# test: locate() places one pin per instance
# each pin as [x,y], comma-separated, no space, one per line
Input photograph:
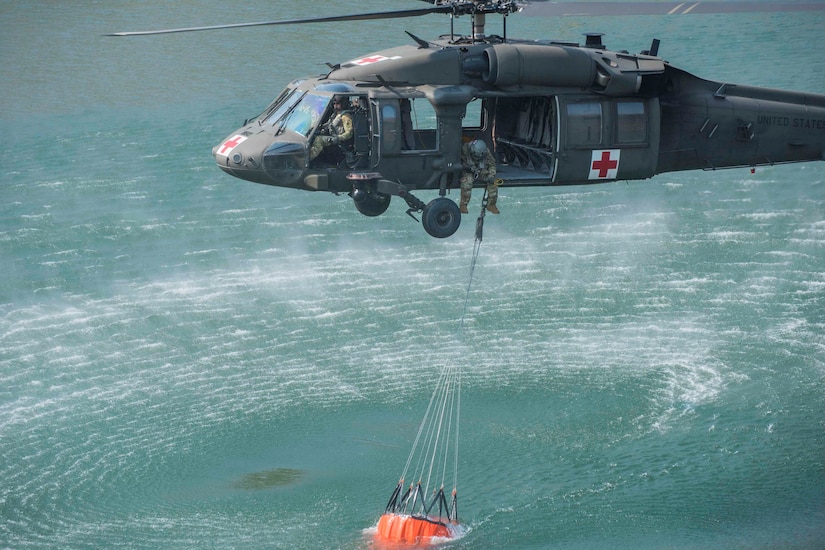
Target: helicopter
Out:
[552,112]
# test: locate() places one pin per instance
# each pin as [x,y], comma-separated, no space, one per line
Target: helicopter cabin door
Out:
[525,138]
[603,139]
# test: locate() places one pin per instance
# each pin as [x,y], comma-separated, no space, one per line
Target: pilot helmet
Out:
[478,148]
[342,100]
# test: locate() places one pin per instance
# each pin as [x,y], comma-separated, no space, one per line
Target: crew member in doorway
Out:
[338,131]
[478,164]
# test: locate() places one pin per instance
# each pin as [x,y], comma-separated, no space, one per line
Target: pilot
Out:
[477,163]
[337,131]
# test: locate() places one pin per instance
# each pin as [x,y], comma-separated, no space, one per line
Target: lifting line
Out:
[409,516]
[476,249]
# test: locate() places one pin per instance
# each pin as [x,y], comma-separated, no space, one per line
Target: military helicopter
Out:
[554,113]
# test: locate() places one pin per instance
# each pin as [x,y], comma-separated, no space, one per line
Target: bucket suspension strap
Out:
[392,505]
[445,510]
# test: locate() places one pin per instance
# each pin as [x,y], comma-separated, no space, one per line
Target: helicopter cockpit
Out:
[274,146]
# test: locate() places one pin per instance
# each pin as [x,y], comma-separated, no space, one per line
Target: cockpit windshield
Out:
[281,106]
[305,115]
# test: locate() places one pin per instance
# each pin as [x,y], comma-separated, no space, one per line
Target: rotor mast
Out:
[478,10]
[479,19]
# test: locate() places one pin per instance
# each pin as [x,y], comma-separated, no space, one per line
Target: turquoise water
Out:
[192,361]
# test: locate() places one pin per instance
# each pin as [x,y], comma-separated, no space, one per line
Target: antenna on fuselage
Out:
[422,44]
[452,27]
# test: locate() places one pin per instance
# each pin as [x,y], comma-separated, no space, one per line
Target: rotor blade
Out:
[562,9]
[332,18]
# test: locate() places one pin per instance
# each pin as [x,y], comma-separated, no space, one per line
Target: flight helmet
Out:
[478,148]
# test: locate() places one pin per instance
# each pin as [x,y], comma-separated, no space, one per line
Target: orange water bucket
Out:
[401,528]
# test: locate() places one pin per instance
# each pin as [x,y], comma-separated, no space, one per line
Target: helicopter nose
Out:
[232,153]
[240,155]
[284,162]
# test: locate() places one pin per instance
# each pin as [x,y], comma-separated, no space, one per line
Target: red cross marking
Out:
[373,59]
[605,164]
[230,144]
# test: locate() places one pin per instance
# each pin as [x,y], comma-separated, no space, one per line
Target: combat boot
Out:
[463,208]
[492,208]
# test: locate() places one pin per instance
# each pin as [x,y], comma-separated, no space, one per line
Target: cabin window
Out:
[473,116]
[420,125]
[631,124]
[584,124]
[389,123]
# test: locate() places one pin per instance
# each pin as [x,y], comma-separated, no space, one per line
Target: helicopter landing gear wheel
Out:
[441,218]
[370,203]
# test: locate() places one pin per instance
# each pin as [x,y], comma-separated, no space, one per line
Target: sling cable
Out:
[421,513]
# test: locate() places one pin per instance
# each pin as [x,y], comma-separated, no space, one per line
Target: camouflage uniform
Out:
[340,131]
[481,168]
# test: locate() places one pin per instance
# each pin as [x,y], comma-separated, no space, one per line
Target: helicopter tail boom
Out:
[709,125]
